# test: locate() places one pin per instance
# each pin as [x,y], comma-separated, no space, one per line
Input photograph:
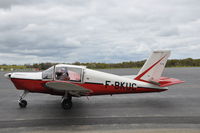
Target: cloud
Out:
[97,31]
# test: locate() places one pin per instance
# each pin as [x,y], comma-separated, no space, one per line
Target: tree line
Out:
[188,62]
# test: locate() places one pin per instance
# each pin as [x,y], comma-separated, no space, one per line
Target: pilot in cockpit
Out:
[62,74]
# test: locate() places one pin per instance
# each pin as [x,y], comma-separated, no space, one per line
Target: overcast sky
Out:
[33,31]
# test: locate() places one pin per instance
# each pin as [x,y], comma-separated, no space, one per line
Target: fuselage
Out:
[99,83]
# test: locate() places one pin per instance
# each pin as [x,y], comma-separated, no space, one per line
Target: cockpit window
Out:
[68,73]
[61,73]
[48,74]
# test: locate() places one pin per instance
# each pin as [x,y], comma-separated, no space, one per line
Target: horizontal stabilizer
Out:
[165,81]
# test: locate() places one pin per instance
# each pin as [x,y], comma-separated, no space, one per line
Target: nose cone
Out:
[8,75]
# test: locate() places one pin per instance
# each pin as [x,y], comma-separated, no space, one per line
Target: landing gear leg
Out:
[66,102]
[22,102]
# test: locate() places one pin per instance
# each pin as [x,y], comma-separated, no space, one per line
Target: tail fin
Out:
[153,67]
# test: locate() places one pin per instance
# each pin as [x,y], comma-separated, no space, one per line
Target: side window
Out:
[68,73]
[48,74]
[75,74]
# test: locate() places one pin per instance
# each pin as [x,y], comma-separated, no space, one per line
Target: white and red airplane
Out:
[74,81]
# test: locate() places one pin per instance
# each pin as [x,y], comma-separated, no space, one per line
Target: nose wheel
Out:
[66,102]
[22,102]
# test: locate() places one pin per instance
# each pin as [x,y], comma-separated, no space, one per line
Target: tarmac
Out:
[176,110]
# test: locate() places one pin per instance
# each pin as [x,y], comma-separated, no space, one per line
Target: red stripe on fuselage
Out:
[97,89]
[30,85]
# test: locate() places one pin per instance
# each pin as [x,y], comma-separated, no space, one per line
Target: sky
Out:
[111,31]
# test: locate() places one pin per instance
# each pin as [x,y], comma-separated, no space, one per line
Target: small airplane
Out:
[75,81]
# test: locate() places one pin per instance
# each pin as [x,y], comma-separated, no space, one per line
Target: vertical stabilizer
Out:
[154,66]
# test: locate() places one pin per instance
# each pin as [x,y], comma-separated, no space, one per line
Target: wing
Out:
[73,89]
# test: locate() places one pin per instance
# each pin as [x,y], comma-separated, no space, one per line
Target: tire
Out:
[22,103]
[66,104]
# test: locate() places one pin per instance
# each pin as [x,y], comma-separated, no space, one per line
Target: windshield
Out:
[48,74]
[68,73]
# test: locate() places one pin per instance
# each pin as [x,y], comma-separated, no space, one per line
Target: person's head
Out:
[63,70]
[59,72]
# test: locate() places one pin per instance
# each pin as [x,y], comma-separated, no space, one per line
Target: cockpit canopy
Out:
[64,72]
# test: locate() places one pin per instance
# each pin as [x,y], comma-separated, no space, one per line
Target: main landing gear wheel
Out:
[66,102]
[22,102]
